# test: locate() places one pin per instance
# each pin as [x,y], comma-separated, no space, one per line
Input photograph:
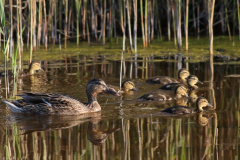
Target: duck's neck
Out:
[199,108]
[177,96]
[31,71]
[92,97]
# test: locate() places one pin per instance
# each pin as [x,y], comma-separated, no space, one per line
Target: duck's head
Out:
[202,102]
[192,80]
[97,85]
[183,74]
[128,85]
[34,66]
[181,91]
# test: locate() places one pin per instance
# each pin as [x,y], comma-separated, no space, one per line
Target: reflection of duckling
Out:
[34,66]
[53,103]
[162,96]
[192,80]
[200,103]
[182,75]
[127,85]
[202,121]
[98,137]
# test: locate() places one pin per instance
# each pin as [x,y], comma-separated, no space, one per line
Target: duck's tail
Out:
[12,106]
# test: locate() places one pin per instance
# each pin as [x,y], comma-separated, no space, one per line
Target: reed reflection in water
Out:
[137,133]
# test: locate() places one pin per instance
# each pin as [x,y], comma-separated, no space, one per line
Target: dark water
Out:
[125,129]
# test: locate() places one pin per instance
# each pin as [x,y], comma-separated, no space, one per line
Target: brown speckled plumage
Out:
[53,103]
[162,96]
[191,82]
[200,103]
[182,75]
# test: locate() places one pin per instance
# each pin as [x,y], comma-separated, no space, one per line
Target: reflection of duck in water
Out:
[98,137]
[192,80]
[200,103]
[202,121]
[182,75]
[127,85]
[33,66]
[53,103]
[34,123]
[162,96]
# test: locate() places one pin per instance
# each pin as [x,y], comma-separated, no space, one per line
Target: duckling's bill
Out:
[200,82]
[112,92]
[209,105]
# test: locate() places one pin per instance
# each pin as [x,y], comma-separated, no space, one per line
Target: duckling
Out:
[54,103]
[127,85]
[192,80]
[182,75]
[162,96]
[200,103]
[33,66]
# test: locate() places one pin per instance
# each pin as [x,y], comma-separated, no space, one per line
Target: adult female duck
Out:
[53,103]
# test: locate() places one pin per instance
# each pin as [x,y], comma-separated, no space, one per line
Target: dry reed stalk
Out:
[69,21]
[84,18]
[122,23]
[34,24]
[135,24]
[146,22]
[20,23]
[169,19]
[78,6]
[129,26]
[174,20]
[45,31]
[143,32]
[11,26]
[104,21]
[65,26]
[186,32]
[178,25]
[18,28]
[211,5]
[238,17]
[31,28]
[234,18]
[39,24]
[152,18]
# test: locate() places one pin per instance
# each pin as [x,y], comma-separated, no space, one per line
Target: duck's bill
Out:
[186,95]
[41,69]
[134,89]
[112,92]
[209,105]
[200,82]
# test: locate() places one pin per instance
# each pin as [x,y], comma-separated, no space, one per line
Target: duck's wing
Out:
[179,110]
[46,103]
[162,80]
[156,96]
[170,86]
